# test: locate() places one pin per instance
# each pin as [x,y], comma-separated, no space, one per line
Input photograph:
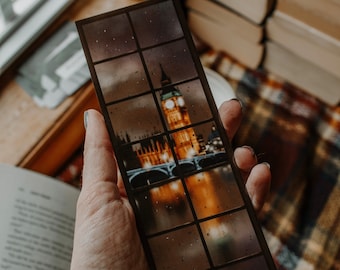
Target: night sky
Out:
[113,37]
[127,58]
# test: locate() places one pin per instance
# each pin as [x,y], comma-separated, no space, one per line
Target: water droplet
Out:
[97,40]
[113,39]
[145,197]
[150,21]
[132,37]
[125,41]
[104,30]
[167,238]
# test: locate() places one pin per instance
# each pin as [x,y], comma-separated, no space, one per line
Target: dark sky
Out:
[113,36]
[109,37]
[121,72]
[130,65]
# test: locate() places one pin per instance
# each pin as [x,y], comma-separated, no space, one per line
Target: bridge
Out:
[141,177]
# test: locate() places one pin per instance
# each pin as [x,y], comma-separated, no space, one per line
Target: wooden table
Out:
[38,138]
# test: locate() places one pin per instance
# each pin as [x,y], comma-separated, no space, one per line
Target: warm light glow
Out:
[191,153]
[147,165]
[180,101]
[219,231]
[165,157]
[174,186]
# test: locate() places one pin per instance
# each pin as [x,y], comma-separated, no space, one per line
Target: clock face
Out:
[180,101]
[169,104]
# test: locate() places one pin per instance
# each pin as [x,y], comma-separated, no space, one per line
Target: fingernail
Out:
[267,164]
[85,118]
[250,149]
[239,101]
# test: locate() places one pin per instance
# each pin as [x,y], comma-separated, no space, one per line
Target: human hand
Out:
[256,176]
[105,233]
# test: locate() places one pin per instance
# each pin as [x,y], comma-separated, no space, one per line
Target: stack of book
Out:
[235,27]
[303,46]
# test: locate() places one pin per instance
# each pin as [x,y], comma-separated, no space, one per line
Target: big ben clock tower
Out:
[177,116]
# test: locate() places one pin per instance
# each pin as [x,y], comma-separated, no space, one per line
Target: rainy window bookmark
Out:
[191,207]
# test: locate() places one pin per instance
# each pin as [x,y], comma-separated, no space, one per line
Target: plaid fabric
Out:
[300,137]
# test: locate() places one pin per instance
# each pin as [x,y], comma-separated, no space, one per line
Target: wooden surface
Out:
[38,138]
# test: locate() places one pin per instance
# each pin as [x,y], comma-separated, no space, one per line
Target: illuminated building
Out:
[186,143]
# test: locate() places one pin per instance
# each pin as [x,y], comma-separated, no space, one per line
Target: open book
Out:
[37,220]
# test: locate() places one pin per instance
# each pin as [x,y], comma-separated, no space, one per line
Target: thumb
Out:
[99,162]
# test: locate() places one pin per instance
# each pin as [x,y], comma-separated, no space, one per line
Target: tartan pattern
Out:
[300,137]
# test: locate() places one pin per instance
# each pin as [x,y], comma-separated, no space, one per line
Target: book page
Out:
[37,220]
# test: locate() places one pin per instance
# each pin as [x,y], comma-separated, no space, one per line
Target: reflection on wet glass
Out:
[109,37]
[257,263]
[148,159]
[183,104]
[156,24]
[122,77]
[164,207]
[135,119]
[180,249]
[230,237]
[214,191]
[176,60]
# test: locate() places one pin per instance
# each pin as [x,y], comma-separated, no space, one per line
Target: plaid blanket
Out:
[300,137]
